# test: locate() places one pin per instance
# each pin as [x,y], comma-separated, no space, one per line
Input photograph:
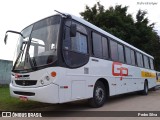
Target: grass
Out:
[8,103]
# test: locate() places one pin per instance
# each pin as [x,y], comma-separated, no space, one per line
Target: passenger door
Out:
[76,56]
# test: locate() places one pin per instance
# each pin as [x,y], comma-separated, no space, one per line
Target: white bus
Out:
[64,58]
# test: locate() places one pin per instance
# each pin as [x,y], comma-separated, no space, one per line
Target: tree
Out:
[118,22]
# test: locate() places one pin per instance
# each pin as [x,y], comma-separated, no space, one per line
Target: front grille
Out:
[24,93]
[26,82]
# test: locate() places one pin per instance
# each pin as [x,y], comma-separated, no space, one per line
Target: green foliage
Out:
[118,22]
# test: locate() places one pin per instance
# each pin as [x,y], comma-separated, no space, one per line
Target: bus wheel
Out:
[99,95]
[145,90]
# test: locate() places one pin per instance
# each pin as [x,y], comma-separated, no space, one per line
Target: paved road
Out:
[129,102]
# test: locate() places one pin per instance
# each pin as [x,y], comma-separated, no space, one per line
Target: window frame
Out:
[71,61]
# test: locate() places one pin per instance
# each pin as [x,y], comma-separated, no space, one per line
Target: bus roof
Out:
[107,34]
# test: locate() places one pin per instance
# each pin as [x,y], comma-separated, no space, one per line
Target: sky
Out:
[17,14]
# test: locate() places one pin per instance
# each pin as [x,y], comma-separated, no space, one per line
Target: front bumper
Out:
[46,94]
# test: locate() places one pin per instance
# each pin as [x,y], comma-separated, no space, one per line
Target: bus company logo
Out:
[19,77]
[119,70]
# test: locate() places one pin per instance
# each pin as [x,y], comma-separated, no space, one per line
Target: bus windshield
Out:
[39,47]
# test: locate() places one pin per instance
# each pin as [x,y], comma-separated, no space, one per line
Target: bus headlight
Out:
[47,78]
[42,82]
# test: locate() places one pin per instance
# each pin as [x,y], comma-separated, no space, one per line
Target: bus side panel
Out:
[102,69]
[150,76]
[74,84]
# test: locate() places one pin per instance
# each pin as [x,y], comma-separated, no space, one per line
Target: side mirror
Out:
[6,35]
[5,39]
[73,29]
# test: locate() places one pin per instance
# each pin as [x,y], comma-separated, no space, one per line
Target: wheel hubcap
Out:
[99,94]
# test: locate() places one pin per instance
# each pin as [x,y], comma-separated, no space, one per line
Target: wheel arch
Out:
[146,80]
[106,85]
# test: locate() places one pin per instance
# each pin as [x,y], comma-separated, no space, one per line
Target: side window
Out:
[79,43]
[121,53]
[133,57]
[80,28]
[128,55]
[139,59]
[105,48]
[114,50]
[97,45]
[151,63]
[146,62]
[75,49]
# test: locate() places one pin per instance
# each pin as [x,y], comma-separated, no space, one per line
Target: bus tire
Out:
[99,95]
[145,90]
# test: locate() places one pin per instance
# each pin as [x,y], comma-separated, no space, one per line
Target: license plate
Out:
[23,98]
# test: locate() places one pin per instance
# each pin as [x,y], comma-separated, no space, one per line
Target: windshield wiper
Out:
[22,51]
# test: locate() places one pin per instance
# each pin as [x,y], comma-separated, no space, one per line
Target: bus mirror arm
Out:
[5,39]
[6,35]
[73,29]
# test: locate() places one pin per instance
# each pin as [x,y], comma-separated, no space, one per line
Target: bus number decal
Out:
[118,70]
